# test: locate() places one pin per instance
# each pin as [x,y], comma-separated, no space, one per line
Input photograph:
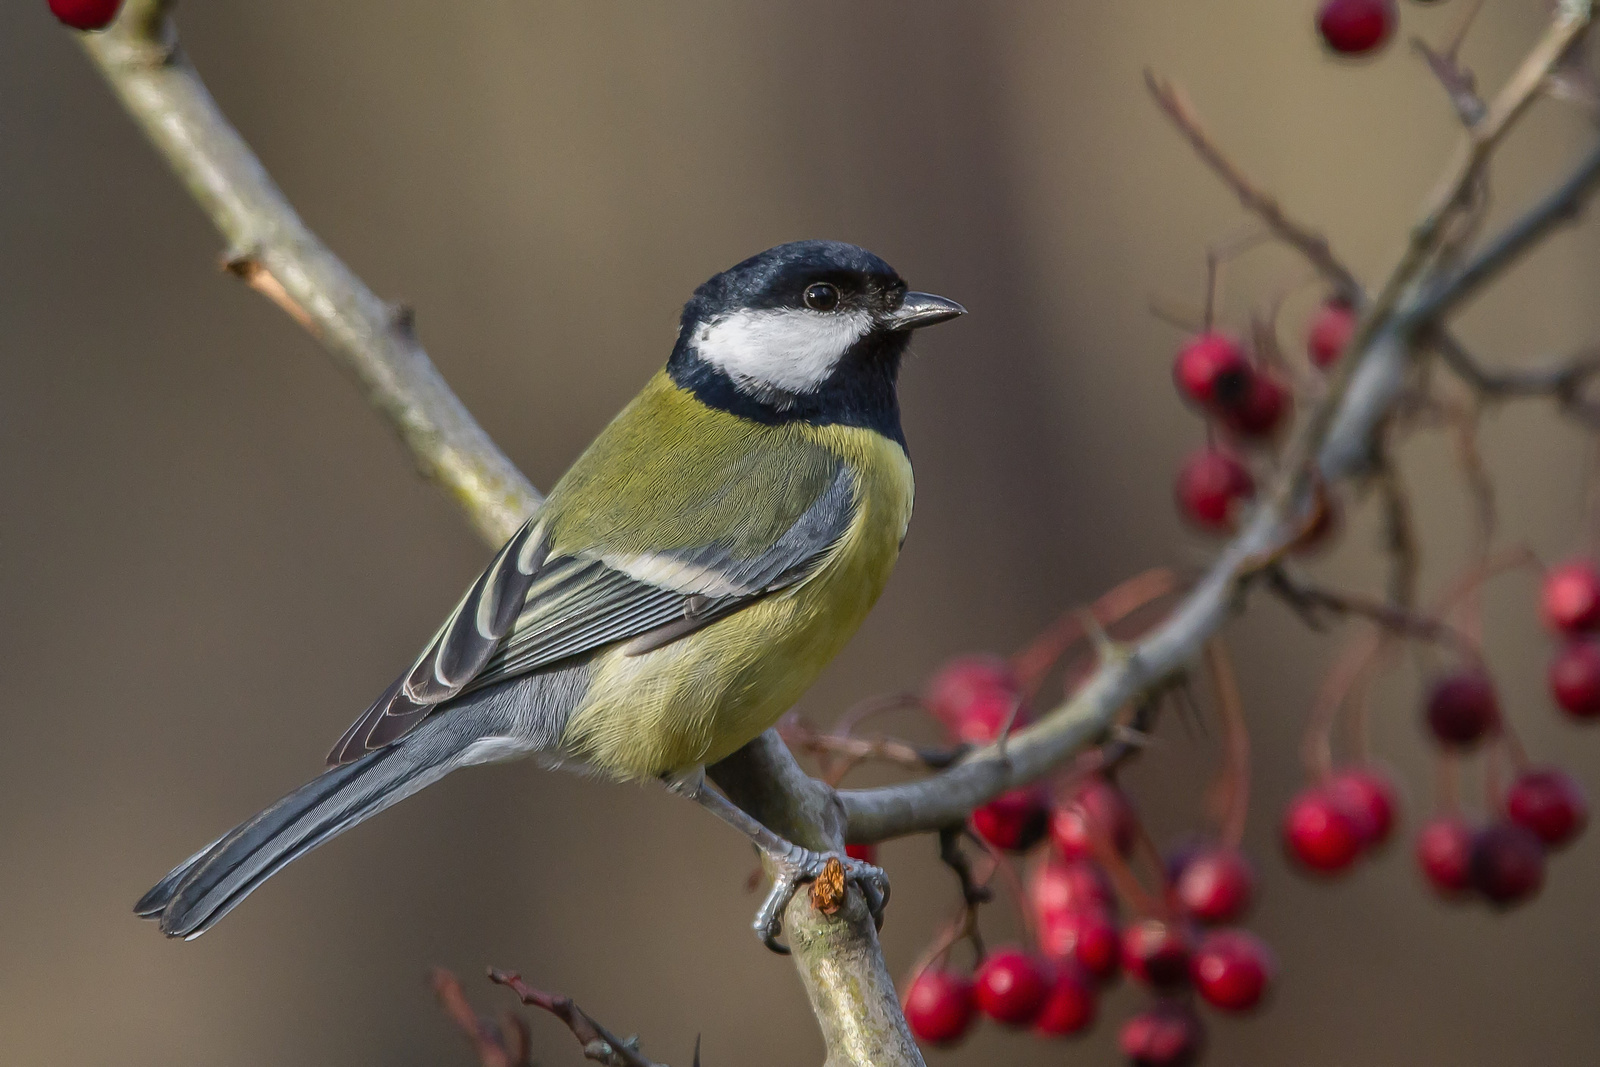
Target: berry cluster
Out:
[1084,836]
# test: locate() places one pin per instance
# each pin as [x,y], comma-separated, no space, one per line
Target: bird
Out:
[683,584]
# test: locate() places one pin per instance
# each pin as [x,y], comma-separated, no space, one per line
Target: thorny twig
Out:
[502,1043]
[1459,84]
[599,1044]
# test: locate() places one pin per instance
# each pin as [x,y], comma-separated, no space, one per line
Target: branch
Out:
[272,251]
[599,1044]
[490,1040]
[1561,380]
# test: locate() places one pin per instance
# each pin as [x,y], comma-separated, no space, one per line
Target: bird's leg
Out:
[792,865]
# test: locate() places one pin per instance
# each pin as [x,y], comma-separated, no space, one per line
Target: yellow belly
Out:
[704,696]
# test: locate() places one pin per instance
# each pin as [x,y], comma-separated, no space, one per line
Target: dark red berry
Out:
[939,1006]
[1011,987]
[1216,885]
[864,853]
[1575,678]
[1231,969]
[1094,811]
[1068,1004]
[85,14]
[1014,821]
[1356,27]
[1331,329]
[1156,952]
[1321,832]
[1212,371]
[1168,1034]
[1371,795]
[1444,852]
[1263,409]
[1462,708]
[1507,864]
[1570,598]
[1550,803]
[1056,886]
[1085,936]
[1211,485]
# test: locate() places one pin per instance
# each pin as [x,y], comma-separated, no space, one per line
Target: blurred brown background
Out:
[213,555]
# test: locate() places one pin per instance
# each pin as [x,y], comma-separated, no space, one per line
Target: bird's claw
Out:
[795,869]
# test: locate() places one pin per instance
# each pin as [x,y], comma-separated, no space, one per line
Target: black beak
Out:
[922,309]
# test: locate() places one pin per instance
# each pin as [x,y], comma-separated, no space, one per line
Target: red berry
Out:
[1058,886]
[1550,803]
[1444,852]
[1261,412]
[1166,1035]
[1212,371]
[1462,708]
[939,1006]
[1507,864]
[1331,329]
[1156,952]
[864,853]
[1356,27]
[1321,832]
[1012,986]
[1575,679]
[1232,969]
[1014,821]
[966,681]
[1216,884]
[1095,811]
[1570,598]
[1068,1004]
[1370,794]
[1085,936]
[1211,484]
[85,14]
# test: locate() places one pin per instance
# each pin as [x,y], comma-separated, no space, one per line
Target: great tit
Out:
[682,585]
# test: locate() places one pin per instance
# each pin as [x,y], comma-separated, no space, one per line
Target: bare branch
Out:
[273,251]
[599,1044]
[496,1044]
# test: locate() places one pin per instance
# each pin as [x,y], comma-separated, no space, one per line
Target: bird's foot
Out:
[795,867]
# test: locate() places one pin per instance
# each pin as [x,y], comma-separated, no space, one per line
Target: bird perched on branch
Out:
[684,583]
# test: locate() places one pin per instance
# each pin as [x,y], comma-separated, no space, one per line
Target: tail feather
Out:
[211,883]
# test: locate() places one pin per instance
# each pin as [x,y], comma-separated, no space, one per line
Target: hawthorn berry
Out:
[973,697]
[1369,793]
[1057,886]
[1507,864]
[1569,600]
[1011,987]
[864,853]
[1261,412]
[1231,969]
[1086,936]
[1575,679]
[1211,484]
[1014,821]
[1094,811]
[1550,803]
[1462,708]
[939,1006]
[1322,833]
[1215,885]
[1444,852]
[1069,1003]
[1357,27]
[85,14]
[1157,952]
[1168,1034]
[1212,371]
[1331,329]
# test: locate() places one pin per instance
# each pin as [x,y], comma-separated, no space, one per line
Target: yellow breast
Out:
[700,698]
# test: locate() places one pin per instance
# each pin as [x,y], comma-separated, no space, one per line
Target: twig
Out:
[1399,534]
[273,251]
[1458,82]
[798,733]
[506,1043]
[599,1044]
[1235,777]
[1562,379]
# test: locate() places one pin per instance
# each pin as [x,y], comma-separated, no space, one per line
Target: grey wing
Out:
[574,604]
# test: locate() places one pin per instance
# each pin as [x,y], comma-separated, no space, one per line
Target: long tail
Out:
[213,881]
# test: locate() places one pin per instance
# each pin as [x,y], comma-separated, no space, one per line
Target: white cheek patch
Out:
[779,350]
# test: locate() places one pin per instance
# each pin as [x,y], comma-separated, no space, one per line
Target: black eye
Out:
[822,297]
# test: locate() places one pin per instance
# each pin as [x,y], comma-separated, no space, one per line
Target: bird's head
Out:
[811,330]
